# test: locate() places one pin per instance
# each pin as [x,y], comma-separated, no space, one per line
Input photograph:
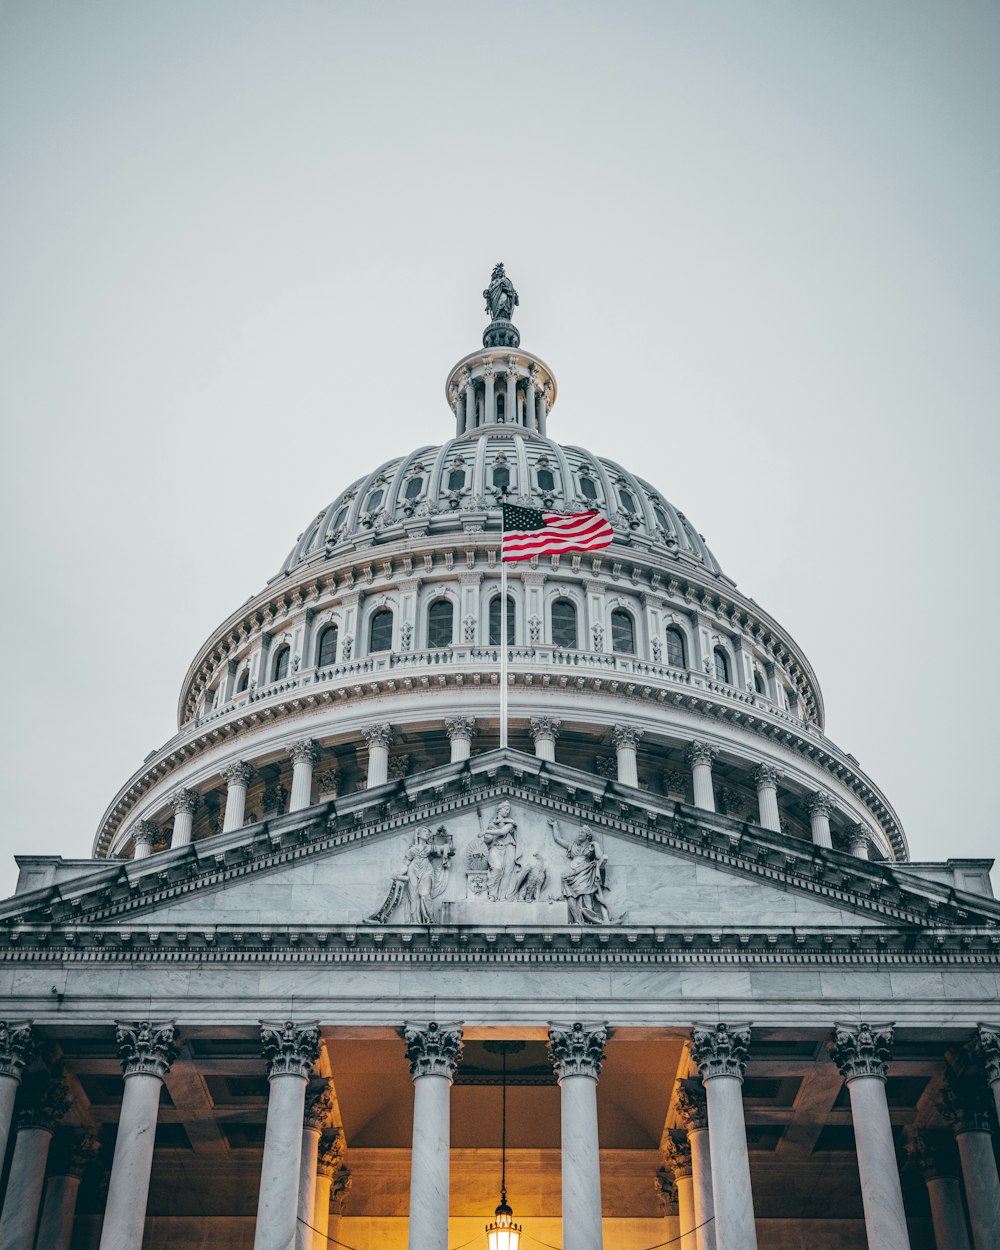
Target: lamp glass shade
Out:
[503,1233]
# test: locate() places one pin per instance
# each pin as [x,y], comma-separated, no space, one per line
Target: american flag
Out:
[528,532]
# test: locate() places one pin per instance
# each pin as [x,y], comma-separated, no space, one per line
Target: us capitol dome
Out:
[373,653]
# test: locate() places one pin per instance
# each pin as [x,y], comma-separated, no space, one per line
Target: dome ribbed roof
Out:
[459,486]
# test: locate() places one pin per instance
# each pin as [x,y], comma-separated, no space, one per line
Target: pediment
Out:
[441,851]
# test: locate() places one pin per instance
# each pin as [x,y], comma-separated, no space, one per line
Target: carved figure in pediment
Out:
[584,880]
[503,865]
[531,880]
[421,880]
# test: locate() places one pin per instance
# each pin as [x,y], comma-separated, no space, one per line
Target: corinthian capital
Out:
[934,1154]
[145,833]
[666,1190]
[184,801]
[461,728]
[319,1106]
[859,839]
[820,804]
[146,1049]
[304,751]
[289,1049]
[577,1049]
[862,1050]
[46,1101]
[988,1044]
[330,1153]
[17,1048]
[238,774]
[766,775]
[377,735]
[626,736]
[701,753]
[677,1154]
[965,1104]
[544,728]
[433,1049]
[720,1049]
[692,1104]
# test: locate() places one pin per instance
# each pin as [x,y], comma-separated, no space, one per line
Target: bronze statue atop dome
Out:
[501,298]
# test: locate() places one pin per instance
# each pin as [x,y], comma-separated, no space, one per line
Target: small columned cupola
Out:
[500,385]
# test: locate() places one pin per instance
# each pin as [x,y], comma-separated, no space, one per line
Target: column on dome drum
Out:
[699,757]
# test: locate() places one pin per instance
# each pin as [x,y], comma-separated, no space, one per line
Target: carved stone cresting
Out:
[677,1154]
[290,1049]
[330,1152]
[720,1049]
[379,735]
[988,1045]
[304,751]
[433,1049]
[318,1106]
[544,728]
[626,736]
[692,1103]
[965,1104]
[45,1102]
[765,775]
[184,801]
[577,1049]
[820,804]
[461,728]
[17,1048]
[862,1050]
[422,878]
[238,774]
[584,879]
[145,1048]
[701,753]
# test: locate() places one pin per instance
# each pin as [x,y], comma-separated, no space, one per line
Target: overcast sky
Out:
[242,245]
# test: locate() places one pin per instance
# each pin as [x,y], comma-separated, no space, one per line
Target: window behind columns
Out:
[564,623]
[721,665]
[676,656]
[758,682]
[243,682]
[327,653]
[279,665]
[495,621]
[622,631]
[380,631]
[440,623]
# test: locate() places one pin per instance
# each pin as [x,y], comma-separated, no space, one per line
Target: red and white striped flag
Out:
[528,532]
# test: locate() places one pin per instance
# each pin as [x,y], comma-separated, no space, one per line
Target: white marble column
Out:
[988,1043]
[766,778]
[461,730]
[329,1156]
[529,399]
[692,1106]
[45,1103]
[304,754]
[699,757]
[238,776]
[184,802]
[489,398]
[290,1050]
[677,1154]
[55,1228]
[470,402]
[965,1106]
[544,731]
[626,738]
[577,1053]
[146,1051]
[544,400]
[379,740]
[720,1051]
[862,1054]
[144,836]
[17,1049]
[859,839]
[820,806]
[434,1050]
[940,1169]
[511,401]
[315,1118]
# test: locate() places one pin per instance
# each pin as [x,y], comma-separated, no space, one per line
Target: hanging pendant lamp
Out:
[502,1233]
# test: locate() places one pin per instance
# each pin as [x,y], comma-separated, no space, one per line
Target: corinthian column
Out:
[544,731]
[46,1103]
[17,1049]
[699,757]
[862,1054]
[144,836]
[238,776]
[304,754]
[329,1156]
[510,404]
[720,1051]
[319,1104]
[66,1169]
[677,1154]
[965,1105]
[626,738]
[577,1053]
[820,806]
[939,1167]
[766,778]
[290,1050]
[184,803]
[434,1051]
[146,1050]
[692,1107]
[988,1042]
[859,838]
[379,739]
[461,730]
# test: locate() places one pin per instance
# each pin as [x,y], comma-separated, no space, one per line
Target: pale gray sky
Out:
[241,244]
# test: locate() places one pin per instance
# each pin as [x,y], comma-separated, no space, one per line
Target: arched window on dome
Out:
[243,682]
[546,480]
[441,623]
[564,623]
[721,666]
[627,502]
[588,487]
[758,682]
[413,488]
[279,665]
[456,479]
[501,477]
[338,520]
[495,621]
[676,652]
[326,652]
[374,500]
[662,520]
[380,631]
[622,632]
[501,404]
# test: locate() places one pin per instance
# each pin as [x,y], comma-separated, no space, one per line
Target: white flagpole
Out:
[503,653]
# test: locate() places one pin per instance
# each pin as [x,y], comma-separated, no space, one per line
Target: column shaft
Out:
[767,800]
[686,1213]
[183,821]
[8,1093]
[511,404]
[378,765]
[543,414]
[733,1199]
[881,1194]
[704,791]
[302,775]
[581,1167]
[236,806]
[819,823]
[982,1188]
[704,1205]
[24,1189]
[56,1225]
[307,1188]
[125,1211]
[278,1201]
[430,1163]
[470,407]
[628,766]
[489,401]
[321,1211]
[947,1214]
[529,405]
